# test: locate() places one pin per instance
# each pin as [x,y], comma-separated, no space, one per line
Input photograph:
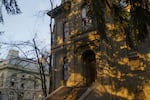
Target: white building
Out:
[19,78]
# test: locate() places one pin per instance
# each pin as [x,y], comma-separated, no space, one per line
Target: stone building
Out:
[19,78]
[109,70]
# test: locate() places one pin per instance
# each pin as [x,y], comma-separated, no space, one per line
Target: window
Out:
[53,35]
[23,76]
[22,86]
[12,82]
[65,68]
[1,79]
[86,20]
[84,11]
[2,76]
[36,84]
[66,31]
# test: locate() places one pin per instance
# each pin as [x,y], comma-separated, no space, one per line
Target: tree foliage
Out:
[11,8]
[131,15]
[97,10]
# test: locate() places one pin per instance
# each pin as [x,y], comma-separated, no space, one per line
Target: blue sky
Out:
[23,27]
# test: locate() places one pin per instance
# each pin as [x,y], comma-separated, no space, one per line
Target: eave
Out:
[54,12]
[59,9]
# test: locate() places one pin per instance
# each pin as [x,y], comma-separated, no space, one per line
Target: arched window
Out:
[86,20]
[12,81]
[84,11]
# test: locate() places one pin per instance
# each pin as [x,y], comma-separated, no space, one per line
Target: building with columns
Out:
[20,78]
[109,70]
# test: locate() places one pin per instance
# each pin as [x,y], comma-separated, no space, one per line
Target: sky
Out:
[31,21]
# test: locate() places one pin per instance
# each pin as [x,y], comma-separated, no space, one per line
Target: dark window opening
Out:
[22,85]
[12,84]
[86,20]
[65,70]
[23,76]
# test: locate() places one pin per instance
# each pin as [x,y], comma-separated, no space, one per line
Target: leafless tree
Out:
[36,54]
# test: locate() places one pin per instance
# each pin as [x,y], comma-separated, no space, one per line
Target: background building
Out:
[19,78]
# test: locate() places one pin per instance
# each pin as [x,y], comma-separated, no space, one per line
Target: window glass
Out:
[22,85]
[65,70]
[12,83]
[86,20]
[66,30]
[84,11]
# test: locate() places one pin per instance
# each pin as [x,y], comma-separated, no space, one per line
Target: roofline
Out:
[58,10]
[54,12]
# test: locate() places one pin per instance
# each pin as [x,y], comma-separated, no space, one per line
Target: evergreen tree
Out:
[131,15]
[10,6]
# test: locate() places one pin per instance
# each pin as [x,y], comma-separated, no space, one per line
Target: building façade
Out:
[81,59]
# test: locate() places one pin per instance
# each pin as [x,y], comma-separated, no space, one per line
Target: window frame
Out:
[86,20]
[66,31]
